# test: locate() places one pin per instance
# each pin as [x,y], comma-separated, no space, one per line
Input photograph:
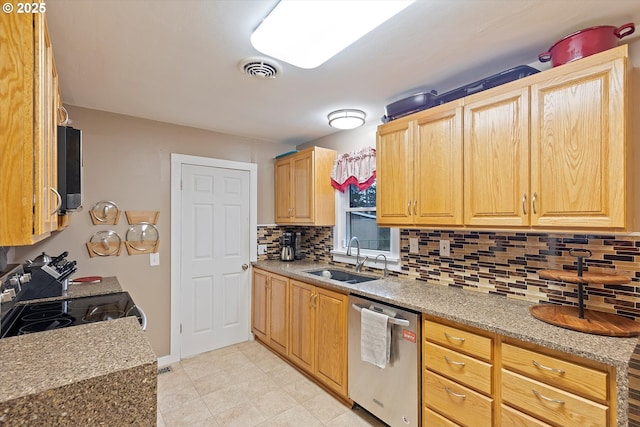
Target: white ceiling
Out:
[177,61]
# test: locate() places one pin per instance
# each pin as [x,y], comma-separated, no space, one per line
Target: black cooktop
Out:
[44,316]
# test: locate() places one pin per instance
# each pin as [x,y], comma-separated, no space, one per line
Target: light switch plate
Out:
[445,248]
[154,259]
[413,245]
[262,249]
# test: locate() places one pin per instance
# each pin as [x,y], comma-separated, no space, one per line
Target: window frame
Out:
[339,251]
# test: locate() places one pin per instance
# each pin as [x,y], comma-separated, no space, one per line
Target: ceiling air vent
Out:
[260,68]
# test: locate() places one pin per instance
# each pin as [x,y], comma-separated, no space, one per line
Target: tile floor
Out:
[247,385]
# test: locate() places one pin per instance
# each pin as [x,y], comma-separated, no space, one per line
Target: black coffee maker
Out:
[288,241]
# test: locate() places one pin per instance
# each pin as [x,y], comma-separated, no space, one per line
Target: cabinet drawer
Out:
[551,404]
[458,339]
[560,373]
[433,419]
[464,405]
[463,369]
[512,418]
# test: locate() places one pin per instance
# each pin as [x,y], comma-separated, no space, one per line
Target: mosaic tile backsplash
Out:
[502,263]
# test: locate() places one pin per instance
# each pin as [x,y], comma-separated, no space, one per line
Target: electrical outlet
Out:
[262,249]
[154,259]
[445,248]
[413,245]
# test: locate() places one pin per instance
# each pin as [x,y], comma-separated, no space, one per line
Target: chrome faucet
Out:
[385,272]
[358,263]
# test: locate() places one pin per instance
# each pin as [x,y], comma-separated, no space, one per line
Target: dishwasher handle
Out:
[392,320]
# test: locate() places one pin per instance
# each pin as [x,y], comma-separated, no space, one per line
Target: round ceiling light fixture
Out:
[346,119]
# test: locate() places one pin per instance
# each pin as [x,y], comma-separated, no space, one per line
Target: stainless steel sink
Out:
[342,276]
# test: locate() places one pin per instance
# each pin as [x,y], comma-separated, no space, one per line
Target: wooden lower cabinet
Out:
[306,324]
[318,340]
[556,388]
[269,309]
[513,418]
[458,375]
[474,378]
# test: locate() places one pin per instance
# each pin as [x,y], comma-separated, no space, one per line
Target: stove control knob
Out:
[25,278]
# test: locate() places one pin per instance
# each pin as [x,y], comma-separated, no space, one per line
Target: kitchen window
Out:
[356,216]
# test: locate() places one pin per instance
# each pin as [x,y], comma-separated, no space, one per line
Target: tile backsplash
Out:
[501,263]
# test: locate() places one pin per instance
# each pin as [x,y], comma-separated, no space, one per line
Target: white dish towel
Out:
[375,338]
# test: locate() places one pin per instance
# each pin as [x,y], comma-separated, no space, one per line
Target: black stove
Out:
[44,316]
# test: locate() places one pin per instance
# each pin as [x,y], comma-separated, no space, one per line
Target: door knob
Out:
[245,267]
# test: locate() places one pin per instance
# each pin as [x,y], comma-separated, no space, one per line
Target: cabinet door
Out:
[279,313]
[283,190]
[578,148]
[394,172]
[331,339]
[303,190]
[496,160]
[438,167]
[302,325]
[259,304]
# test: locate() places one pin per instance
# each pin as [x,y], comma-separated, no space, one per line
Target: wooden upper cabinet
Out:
[546,151]
[496,160]
[303,191]
[419,169]
[394,173]
[28,132]
[578,147]
[283,192]
[438,167]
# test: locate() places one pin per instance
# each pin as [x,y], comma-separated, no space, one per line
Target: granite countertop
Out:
[33,363]
[506,316]
[47,360]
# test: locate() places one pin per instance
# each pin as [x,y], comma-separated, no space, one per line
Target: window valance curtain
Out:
[357,168]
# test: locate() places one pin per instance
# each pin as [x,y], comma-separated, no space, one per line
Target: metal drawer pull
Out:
[453,338]
[461,396]
[409,207]
[548,399]
[453,362]
[546,368]
[392,320]
[533,203]
[524,203]
[415,207]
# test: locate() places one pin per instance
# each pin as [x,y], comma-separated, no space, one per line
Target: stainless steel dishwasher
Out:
[391,393]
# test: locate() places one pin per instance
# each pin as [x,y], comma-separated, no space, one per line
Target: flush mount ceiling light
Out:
[346,119]
[307,33]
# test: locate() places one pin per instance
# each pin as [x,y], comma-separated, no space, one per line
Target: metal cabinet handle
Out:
[59,200]
[415,207]
[524,203]
[409,207]
[548,399]
[453,362]
[461,396]
[546,368]
[533,203]
[449,337]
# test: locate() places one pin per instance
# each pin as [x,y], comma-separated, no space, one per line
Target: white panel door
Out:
[215,247]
